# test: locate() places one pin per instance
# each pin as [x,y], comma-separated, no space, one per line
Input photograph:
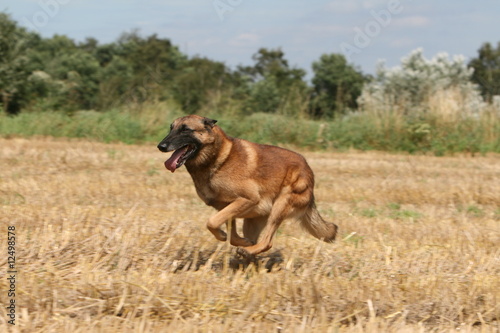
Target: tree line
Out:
[58,73]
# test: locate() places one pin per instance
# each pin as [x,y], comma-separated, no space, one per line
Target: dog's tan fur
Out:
[262,184]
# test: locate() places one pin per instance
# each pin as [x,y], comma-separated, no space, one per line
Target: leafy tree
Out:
[154,61]
[487,70]
[49,49]
[272,63]
[271,81]
[90,45]
[201,81]
[265,96]
[15,43]
[336,85]
[80,71]
[73,72]
[158,54]
[115,82]
[105,53]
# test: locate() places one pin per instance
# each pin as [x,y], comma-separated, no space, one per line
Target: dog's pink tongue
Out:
[171,163]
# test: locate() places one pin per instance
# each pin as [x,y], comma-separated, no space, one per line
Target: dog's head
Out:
[187,137]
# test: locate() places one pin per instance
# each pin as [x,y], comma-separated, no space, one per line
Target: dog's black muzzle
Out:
[163,147]
[170,143]
[175,141]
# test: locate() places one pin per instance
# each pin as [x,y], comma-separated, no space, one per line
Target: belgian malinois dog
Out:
[261,184]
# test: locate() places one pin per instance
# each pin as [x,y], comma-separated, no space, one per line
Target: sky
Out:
[231,31]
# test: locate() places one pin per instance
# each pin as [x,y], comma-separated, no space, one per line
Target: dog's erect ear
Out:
[209,122]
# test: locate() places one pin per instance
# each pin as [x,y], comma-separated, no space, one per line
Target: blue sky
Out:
[232,30]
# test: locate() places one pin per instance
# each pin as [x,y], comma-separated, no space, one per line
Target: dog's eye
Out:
[184,128]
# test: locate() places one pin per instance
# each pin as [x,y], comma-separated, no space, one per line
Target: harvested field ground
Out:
[110,241]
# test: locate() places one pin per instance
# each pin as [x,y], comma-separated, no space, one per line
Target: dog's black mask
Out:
[183,141]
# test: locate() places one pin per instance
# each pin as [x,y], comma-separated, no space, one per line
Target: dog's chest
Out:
[213,192]
[205,192]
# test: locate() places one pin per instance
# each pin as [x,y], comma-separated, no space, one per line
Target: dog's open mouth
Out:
[179,157]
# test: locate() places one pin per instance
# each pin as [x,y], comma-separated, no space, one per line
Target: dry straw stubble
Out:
[108,241]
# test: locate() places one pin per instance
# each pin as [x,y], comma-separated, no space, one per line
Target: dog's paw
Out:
[246,242]
[239,241]
[244,253]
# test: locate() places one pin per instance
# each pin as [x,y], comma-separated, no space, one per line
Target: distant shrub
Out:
[440,86]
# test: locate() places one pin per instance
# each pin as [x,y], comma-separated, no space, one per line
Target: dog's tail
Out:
[317,226]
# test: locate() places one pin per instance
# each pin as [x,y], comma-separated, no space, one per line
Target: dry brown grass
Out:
[109,241]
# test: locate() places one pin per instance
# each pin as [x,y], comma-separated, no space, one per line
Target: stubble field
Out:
[110,241]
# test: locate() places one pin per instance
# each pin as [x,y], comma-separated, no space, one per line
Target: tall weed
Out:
[368,130]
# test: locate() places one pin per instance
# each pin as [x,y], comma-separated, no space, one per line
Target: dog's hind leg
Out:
[252,228]
[281,209]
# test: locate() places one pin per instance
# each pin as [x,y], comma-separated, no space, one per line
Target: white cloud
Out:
[328,29]
[341,6]
[351,6]
[245,39]
[412,21]
[370,4]
[402,42]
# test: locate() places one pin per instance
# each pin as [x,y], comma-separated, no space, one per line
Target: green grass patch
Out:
[402,214]
[361,131]
[474,211]
[369,212]
[405,214]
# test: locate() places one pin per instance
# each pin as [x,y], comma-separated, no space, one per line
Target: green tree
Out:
[106,53]
[272,63]
[80,71]
[151,66]
[487,70]
[116,82]
[271,82]
[150,53]
[200,82]
[15,43]
[336,85]
[90,45]
[73,72]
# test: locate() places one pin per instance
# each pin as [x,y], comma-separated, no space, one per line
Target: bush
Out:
[427,105]
[439,86]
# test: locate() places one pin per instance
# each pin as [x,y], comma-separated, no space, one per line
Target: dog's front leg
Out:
[237,208]
[237,240]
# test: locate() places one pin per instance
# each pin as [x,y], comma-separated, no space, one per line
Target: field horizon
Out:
[110,241]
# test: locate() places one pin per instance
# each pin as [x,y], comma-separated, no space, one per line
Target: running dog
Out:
[261,184]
